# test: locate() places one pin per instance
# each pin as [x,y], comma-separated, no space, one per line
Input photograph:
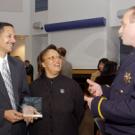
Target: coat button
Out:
[121,91]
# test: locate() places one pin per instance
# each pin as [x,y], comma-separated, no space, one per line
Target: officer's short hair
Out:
[132,16]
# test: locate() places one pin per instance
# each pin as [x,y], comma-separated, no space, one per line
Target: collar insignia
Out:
[127,77]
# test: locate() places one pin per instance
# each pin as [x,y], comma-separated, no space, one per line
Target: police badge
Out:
[127,77]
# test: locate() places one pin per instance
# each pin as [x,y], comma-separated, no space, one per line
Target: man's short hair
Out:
[132,15]
[4,24]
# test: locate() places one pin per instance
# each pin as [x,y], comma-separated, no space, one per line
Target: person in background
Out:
[19,58]
[62,105]
[13,84]
[66,66]
[29,71]
[105,78]
[115,104]
[108,74]
[100,68]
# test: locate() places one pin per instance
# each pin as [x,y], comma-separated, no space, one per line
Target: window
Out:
[41,5]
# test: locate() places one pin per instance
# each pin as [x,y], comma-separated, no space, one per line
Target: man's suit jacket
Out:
[20,88]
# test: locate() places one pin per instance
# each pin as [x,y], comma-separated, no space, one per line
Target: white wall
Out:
[113,44]
[11,5]
[21,20]
[87,46]
[84,46]
[67,10]
[115,6]
[39,42]
[19,48]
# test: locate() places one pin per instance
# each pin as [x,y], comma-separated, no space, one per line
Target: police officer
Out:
[116,104]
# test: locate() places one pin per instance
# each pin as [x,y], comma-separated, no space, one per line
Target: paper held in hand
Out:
[31,107]
[30,111]
[33,115]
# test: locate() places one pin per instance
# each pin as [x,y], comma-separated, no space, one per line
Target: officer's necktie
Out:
[8,83]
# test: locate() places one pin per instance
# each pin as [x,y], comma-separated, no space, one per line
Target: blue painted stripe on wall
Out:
[93,22]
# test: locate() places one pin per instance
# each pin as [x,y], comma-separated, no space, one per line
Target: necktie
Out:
[8,83]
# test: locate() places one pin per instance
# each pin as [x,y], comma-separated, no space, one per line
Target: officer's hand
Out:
[94,88]
[13,116]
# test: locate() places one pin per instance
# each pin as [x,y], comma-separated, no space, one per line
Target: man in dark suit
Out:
[116,104]
[29,71]
[12,87]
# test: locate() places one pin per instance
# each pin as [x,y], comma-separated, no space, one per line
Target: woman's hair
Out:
[110,68]
[40,59]
[103,60]
[62,51]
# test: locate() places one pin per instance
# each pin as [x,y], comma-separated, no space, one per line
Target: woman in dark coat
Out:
[62,105]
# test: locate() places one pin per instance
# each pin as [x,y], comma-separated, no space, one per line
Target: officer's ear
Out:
[43,65]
